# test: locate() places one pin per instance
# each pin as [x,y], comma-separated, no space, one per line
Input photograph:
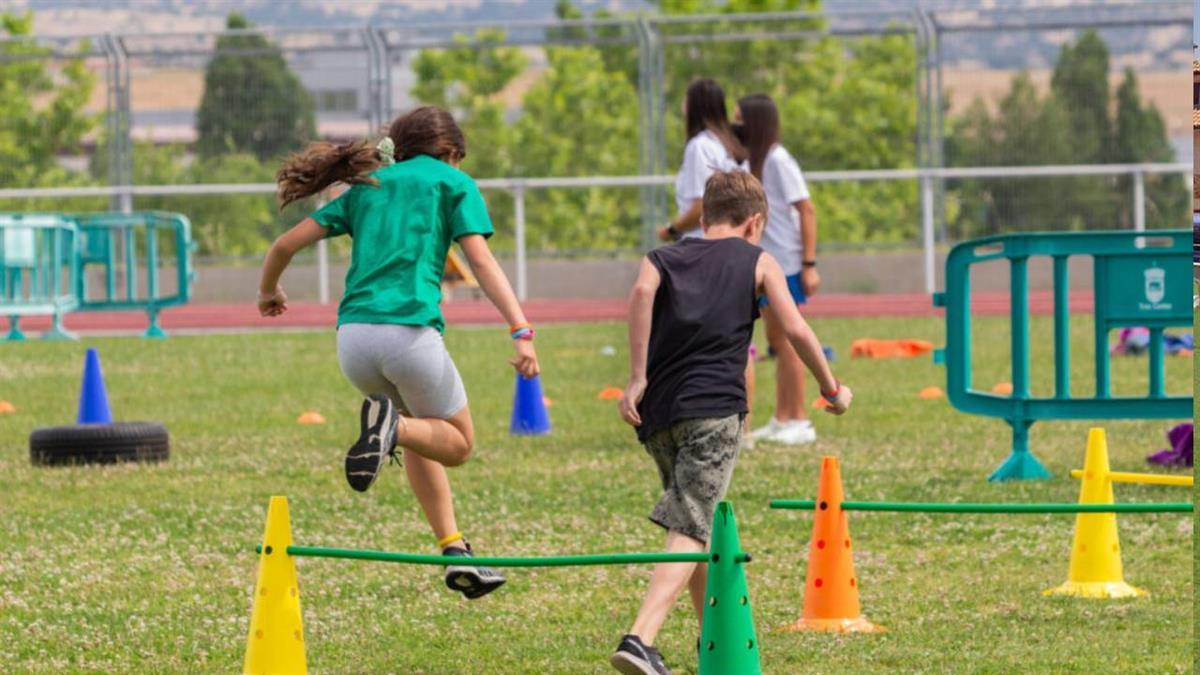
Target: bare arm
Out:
[497,289]
[688,220]
[272,301]
[809,277]
[641,314]
[771,280]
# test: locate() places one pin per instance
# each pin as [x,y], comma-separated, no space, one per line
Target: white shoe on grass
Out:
[765,431]
[794,432]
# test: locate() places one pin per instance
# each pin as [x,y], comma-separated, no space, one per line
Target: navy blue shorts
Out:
[795,287]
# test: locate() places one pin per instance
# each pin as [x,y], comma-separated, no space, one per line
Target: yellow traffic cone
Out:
[1095,570]
[276,640]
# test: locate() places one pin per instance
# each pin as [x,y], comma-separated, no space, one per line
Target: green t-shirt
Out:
[402,230]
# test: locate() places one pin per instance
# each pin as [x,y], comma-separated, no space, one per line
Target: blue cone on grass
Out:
[529,417]
[93,399]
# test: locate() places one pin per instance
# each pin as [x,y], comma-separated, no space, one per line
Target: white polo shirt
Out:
[784,185]
[703,156]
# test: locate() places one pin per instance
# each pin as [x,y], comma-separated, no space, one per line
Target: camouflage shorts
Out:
[695,460]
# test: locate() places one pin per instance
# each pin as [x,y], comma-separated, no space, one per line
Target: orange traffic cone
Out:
[830,588]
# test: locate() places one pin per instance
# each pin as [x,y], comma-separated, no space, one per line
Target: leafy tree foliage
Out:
[252,101]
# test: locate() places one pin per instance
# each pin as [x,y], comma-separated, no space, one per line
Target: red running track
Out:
[476,312]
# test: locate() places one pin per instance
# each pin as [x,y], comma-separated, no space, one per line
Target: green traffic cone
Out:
[728,645]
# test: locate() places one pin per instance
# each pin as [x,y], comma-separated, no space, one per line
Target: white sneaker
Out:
[770,429]
[795,432]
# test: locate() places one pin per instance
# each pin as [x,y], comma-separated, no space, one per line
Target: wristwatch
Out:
[808,263]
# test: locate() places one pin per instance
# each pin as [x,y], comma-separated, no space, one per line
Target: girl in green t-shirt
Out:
[407,204]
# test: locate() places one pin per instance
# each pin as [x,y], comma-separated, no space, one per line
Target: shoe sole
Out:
[365,459]
[467,580]
[630,665]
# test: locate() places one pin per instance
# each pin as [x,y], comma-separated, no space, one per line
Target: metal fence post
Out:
[519,221]
[927,231]
[1139,200]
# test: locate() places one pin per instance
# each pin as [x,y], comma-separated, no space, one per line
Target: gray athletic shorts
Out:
[695,460]
[409,364]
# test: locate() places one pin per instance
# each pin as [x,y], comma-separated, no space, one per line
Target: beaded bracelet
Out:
[521,331]
[832,398]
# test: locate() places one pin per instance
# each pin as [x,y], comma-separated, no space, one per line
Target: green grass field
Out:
[151,568]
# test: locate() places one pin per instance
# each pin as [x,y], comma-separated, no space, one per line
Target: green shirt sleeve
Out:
[335,216]
[469,213]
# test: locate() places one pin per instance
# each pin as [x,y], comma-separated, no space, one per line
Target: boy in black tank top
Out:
[691,319]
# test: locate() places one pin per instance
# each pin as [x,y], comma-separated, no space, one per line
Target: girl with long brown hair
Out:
[711,147]
[791,238]
[407,204]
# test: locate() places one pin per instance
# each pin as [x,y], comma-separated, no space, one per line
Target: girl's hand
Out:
[810,280]
[274,304]
[526,362]
[842,403]
[630,400]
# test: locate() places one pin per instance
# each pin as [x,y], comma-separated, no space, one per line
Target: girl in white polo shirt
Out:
[791,238]
[712,146]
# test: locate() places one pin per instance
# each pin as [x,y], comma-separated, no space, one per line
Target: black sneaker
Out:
[634,658]
[375,443]
[473,582]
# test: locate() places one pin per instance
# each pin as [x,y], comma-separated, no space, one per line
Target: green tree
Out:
[1141,136]
[468,80]
[580,118]
[1073,124]
[252,101]
[43,111]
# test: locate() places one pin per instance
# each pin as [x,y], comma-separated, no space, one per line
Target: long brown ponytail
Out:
[322,164]
[427,130]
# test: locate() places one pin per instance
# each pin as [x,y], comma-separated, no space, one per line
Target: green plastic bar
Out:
[152,261]
[1062,330]
[1103,366]
[1157,387]
[967,507]
[130,264]
[548,561]
[1019,301]
[110,267]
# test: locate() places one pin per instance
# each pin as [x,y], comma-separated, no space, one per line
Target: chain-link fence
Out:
[859,90]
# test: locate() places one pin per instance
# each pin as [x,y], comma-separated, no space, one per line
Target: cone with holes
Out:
[830,587]
[276,640]
[1095,570]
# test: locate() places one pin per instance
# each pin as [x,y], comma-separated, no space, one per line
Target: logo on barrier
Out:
[1156,290]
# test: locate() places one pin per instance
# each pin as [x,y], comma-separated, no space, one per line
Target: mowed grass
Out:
[151,568]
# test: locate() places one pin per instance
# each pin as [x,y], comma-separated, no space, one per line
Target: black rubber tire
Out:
[99,444]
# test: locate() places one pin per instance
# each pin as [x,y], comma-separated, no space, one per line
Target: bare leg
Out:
[789,374]
[428,478]
[698,587]
[447,442]
[666,584]
[432,488]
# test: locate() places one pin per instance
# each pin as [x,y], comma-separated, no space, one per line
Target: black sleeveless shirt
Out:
[704,315]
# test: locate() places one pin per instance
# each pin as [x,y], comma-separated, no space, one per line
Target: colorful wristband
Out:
[523,334]
[832,398]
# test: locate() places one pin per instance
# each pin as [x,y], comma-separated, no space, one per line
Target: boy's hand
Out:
[842,403]
[525,362]
[810,280]
[630,400]
[274,304]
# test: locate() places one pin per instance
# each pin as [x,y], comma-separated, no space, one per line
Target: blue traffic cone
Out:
[529,417]
[93,399]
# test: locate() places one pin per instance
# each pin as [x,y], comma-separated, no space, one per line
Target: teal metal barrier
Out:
[74,262]
[37,269]
[1139,279]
